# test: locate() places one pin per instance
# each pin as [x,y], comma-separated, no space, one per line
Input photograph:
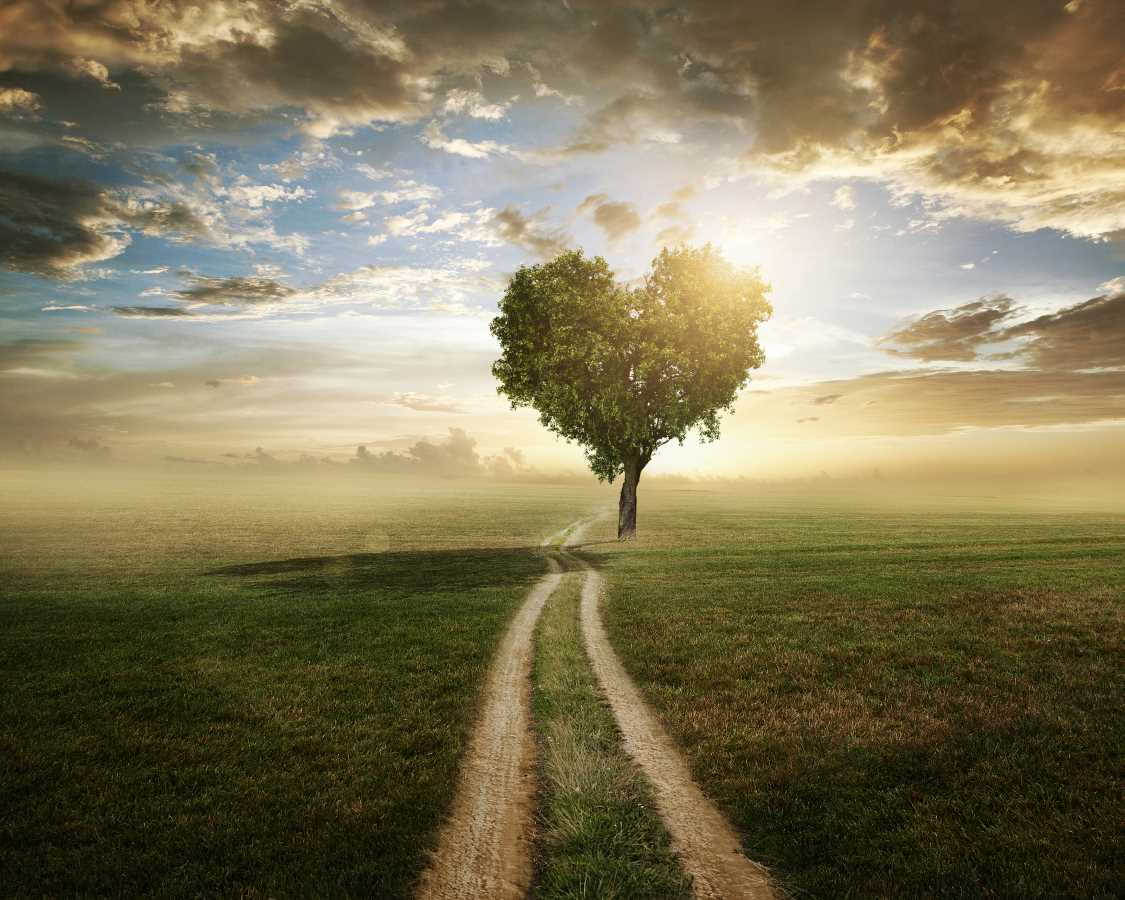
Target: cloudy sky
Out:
[285,225]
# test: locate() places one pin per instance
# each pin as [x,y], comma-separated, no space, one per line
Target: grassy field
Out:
[255,688]
[889,700]
[262,687]
[600,836]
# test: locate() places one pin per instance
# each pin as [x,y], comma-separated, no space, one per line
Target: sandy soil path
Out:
[485,845]
[702,838]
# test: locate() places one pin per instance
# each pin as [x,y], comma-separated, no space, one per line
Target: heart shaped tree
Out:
[624,369]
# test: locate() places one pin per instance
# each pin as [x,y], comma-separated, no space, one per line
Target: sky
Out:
[244,233]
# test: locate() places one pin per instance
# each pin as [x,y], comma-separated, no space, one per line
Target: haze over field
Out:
[261,233]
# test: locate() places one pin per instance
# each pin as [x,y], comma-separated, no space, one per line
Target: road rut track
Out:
[485,846]
[704,841]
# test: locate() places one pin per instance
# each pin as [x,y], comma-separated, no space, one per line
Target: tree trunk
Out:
[627,508]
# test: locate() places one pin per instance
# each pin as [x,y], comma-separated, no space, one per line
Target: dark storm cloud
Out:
[951,334]
[614,218]
[1087,335]
[234,291]
[341,63]
[526,232]
[343,70]
[1002,110]
[1007,110]
[1073,373]
[983,105]
[49,227]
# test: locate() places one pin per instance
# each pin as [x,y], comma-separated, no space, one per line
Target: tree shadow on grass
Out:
[273,727]
[395,572]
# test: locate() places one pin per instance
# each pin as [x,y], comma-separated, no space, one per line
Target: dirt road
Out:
[485,845]
[485,848]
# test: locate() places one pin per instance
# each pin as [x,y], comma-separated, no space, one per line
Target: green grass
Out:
[600,836]
[262,688]
[920,700]
[257,689]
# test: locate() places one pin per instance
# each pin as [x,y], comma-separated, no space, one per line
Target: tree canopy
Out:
[623,369]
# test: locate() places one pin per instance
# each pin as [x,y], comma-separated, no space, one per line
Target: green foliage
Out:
[623,370]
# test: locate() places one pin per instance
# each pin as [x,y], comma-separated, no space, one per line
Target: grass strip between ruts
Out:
[600,835]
